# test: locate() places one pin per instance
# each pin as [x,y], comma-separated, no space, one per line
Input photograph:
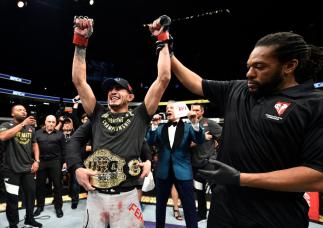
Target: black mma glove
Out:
[161,44]
[220,173]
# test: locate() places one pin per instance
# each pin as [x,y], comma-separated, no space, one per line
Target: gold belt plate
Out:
[110,168]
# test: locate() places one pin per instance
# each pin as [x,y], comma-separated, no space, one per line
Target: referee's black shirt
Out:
[264,134]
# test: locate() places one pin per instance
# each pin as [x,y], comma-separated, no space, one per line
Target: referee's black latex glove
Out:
[220,173]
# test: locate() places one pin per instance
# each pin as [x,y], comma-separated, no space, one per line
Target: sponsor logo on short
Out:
[133,208]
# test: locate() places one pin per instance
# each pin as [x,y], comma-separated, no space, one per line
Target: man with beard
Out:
[21,161]
[272,149]
[118,135]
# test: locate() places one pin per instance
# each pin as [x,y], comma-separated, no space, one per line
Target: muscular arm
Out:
[188,78]
[159,86]
[297,179]
[79,79]
[10,133]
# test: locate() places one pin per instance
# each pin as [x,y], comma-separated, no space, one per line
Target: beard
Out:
[20,118]
[117,105]
[114,105]
[268,87]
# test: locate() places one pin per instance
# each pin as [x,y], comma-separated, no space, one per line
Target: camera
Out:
[34,114]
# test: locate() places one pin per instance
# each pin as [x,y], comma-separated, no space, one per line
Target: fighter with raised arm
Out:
[118,134]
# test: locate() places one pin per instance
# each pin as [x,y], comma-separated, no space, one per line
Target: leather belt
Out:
[112,169]
[116,190]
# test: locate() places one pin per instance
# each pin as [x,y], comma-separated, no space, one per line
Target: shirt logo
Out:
[114,122]
[23,137]
[281,107]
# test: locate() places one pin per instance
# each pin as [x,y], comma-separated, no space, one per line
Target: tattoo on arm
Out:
[80,52]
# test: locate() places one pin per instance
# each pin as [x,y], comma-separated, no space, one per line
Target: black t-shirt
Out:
[121,133]
[83,137]
[50,145]
[263,134]
[18,152]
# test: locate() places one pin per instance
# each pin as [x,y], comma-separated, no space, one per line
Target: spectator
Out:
[20,163]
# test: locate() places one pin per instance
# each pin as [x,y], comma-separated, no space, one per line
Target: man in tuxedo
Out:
[174,165]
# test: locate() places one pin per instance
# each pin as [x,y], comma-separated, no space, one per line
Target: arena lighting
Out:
[91,2]
[21,3]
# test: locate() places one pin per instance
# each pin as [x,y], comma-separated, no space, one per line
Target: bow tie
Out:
[172,124]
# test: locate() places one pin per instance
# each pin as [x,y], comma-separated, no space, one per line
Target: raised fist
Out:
[160,26]
[83,29]
[159,29]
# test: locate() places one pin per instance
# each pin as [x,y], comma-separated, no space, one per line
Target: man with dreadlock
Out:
[272,149]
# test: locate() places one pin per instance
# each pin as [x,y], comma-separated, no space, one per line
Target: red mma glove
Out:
[83,29]
[160,30]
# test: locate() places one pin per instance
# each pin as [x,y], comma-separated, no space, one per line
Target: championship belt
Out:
[111,169]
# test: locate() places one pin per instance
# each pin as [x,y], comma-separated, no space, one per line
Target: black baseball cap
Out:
[110,82]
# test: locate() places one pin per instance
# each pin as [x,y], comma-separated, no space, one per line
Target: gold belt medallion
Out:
[109,167]
[134,168]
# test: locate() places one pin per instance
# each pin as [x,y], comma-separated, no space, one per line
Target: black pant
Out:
[74,188]
[186,194]
[200,195]
[52,169]
[12,182]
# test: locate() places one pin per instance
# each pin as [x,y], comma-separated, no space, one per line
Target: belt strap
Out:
[116,190]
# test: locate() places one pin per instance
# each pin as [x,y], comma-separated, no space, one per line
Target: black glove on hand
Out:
[160,31]
[161,44]
[220,174]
